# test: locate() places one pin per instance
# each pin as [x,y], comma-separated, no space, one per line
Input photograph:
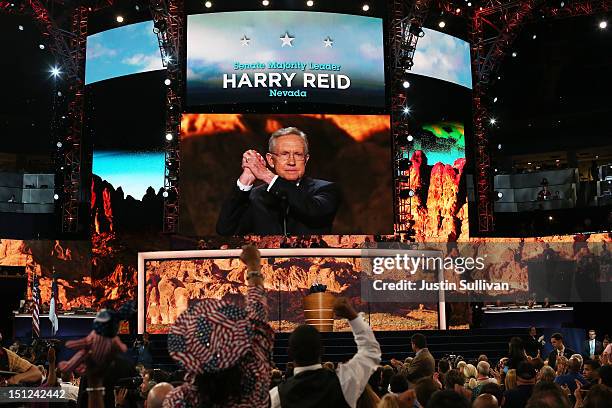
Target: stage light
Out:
[310,3]
[265,3]
[120,19]
[208,4]
[406,193]
[529,163]
[458,11]
[165,194]
[59,145]
[56,196]
[492,121]
[514,54]
[169,136]
[442,24]
[406,110]
[167,59]
[20,27]
[410,138]
[499,146]
[167,81]
[603,24]
[498,195]
[495,99]
[469,4]
[406,84]
[55,72]
[550,218]
[534,37]
[365,7]
[41,46]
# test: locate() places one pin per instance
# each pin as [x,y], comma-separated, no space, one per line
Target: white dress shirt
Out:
[355,373]
[248,187]
[71,390]
[592,347]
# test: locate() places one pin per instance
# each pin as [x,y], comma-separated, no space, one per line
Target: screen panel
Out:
[285,56]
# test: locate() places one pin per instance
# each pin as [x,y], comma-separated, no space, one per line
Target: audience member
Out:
[276,378]
[26,371]
[424,389]
[573,375]
[495,390]
[485,401]
[483,378]
[534,344]
[389,401]
[605,375]
[311,385]
[548,395]
[516,353]
[559,349]
[329,365]
[385,379]
[448,399]
[452,378]
[229,364]
[592,347]
[368,398]
[562,365]
[510,380]
[483,357]
[525,380]
[423,364]
[398,384]
[470,373]
[590,372]
[547,374]
[157,395]
[71,390]
[599,396]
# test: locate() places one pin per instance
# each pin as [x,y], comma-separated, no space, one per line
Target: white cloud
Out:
[97,50]
[146,62]
[370,51]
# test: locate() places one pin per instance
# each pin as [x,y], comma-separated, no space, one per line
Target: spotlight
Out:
[492,121]
[167,59]
[469,4]
[442,24]
[410,138]
[406,193]
[498,195]
[59,145]
[365,7]
[416,29]
[406,110]
[169,136]
[167,81]
[514,54]
[265,3]
[165,194]
[20,27]
[602,24]
[41,46]
[458,11]
[56,196]
[55,72]
[550,218]
[208,4]
[310,3]
[495,99]
[120,19]
[499,146]
[534,37]
[406,84]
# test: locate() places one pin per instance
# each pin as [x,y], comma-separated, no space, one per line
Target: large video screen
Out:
[285,56]
[337,183]
[126,50]
[439,101]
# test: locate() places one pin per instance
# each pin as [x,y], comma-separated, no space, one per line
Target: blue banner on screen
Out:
[277,56]
[444,57]
[122,51]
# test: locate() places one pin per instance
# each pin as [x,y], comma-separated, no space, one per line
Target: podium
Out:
[319,311]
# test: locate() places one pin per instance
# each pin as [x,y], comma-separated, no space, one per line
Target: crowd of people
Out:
[224,354]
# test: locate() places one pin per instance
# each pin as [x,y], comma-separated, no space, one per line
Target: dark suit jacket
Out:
[552,357]
[308,209]
[532,346]
[586,349]
[423,365]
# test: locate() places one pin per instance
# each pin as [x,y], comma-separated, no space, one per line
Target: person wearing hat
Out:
[225,349]
[525,380]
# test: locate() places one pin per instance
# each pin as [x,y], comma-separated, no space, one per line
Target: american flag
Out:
[35,307]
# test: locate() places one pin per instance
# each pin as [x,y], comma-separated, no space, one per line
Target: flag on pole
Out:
[52,306]
[35,307]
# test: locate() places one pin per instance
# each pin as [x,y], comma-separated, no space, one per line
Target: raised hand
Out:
[255,162]
[344,309]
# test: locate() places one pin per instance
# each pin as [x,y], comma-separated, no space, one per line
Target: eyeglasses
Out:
[285,156]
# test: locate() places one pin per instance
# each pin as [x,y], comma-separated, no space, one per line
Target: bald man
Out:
[485,401]
[157,394]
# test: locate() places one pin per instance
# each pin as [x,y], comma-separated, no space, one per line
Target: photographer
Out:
[25,372]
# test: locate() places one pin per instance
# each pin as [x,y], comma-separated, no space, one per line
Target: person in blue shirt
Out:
[572,375]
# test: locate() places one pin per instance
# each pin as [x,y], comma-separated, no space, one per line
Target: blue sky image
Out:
[122,51]
[134,172]
[214,43]
[443,56]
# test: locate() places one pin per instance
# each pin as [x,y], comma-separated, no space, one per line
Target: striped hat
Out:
[210,336]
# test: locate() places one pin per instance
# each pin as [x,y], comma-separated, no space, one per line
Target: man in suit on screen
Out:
[287,202]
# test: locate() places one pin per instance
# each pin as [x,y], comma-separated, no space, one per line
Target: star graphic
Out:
[244,40]
[328,42]
[287,40]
